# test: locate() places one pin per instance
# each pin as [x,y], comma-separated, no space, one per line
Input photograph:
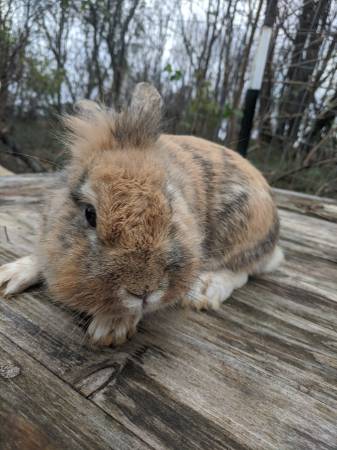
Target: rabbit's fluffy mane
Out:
[97,128]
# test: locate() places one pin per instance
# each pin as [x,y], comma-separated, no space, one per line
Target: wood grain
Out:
[309,205]
[39,411]
[260,373]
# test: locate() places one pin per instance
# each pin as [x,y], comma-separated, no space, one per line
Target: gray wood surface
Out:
[260,373]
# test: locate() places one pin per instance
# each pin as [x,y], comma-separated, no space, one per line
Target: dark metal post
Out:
[253,91]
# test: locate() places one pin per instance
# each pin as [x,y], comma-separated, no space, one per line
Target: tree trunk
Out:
[296,97]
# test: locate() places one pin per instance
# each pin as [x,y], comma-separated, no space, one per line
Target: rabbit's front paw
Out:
[213,288]
[18,275]
[107,331]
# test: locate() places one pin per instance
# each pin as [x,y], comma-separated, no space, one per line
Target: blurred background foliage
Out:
[198,54]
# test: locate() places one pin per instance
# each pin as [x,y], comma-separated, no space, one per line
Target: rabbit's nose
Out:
[141,295]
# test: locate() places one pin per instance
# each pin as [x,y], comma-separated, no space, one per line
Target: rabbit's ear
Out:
[139,124]
[146,98]
[87,107]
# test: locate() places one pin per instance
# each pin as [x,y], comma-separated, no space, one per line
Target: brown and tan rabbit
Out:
[145,220]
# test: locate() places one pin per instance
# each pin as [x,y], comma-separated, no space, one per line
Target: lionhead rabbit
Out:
[145,220]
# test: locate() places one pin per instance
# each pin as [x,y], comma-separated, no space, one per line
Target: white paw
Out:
[99,327]
[106,330]
[19,275]
[213,288]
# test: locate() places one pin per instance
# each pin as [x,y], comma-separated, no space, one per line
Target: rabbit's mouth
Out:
[147,303]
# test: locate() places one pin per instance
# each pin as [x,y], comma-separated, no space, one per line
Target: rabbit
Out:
[142,220]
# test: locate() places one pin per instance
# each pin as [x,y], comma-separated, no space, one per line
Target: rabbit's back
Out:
[230,199]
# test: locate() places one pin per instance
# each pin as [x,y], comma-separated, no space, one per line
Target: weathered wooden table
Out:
[261,373]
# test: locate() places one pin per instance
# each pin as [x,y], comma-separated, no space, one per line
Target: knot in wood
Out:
[9,370]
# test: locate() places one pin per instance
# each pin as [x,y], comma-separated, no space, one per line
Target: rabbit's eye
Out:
[90,215]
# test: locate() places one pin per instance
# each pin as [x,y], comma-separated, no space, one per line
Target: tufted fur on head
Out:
[97,128]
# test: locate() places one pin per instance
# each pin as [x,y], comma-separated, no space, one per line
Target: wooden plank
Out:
[25,189]
[20,210]
[301,271]
[44,331]
[18,229]
[38,411]
[310,205]
[309,235]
